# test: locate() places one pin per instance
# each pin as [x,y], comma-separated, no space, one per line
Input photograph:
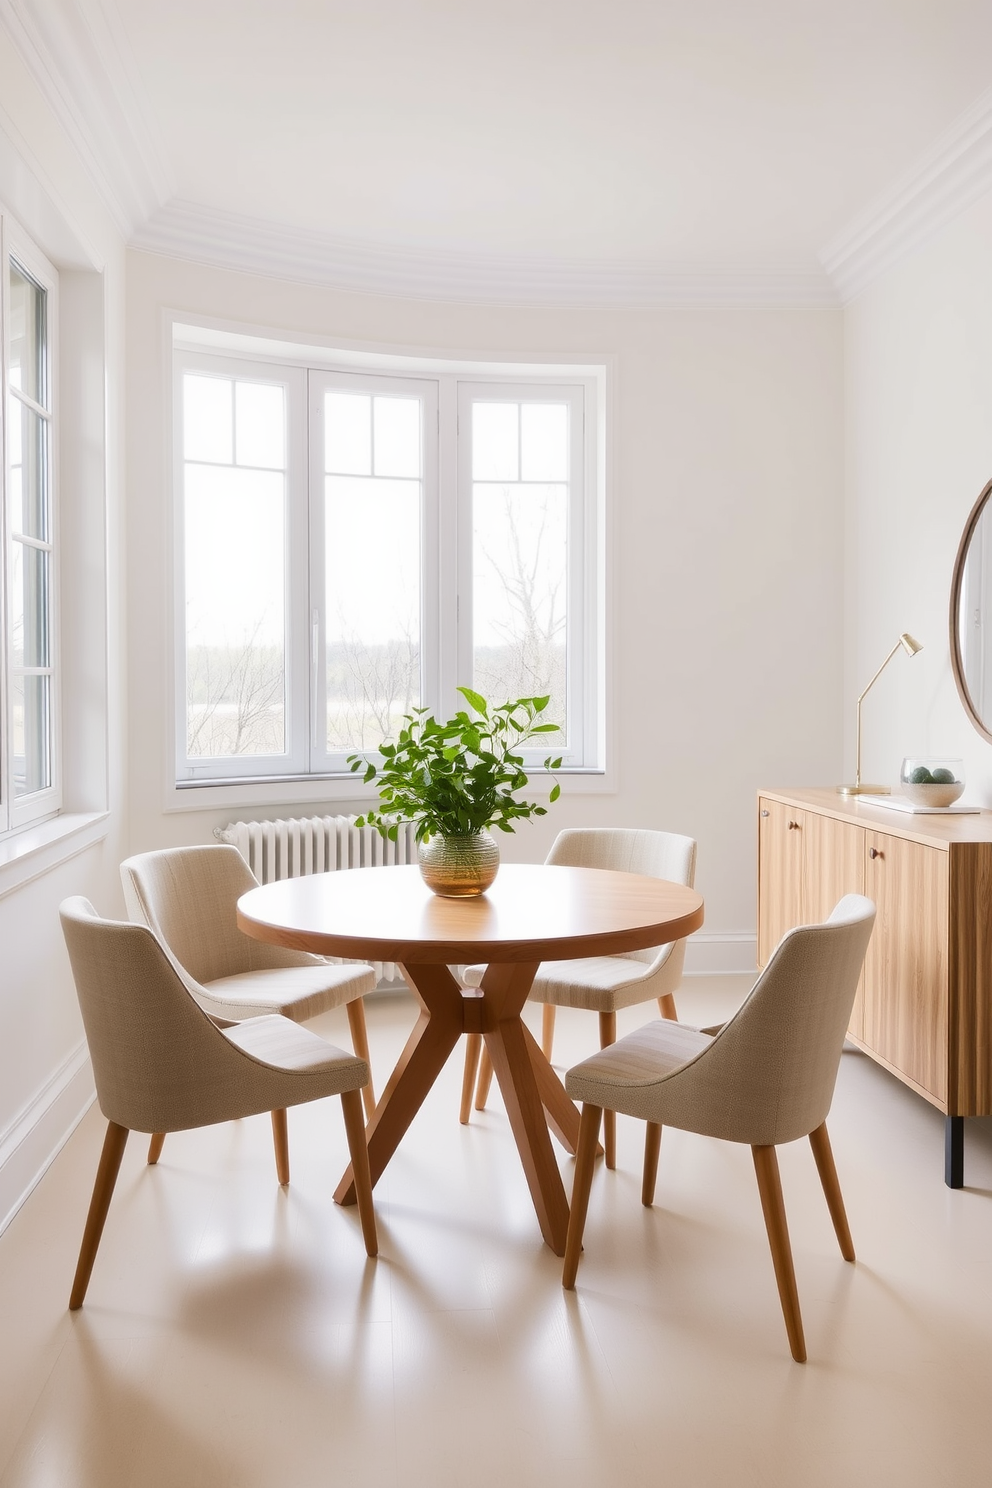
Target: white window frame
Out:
[445,383]
[19,812]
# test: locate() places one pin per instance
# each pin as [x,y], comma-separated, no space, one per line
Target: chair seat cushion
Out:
[284,1046]
[641,1059]
[601,984]
[298,992]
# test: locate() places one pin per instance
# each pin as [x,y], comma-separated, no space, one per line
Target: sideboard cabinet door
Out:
[905,997]
[780,873]
[833,865]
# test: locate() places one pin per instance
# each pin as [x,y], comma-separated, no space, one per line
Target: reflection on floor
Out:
[235,1335]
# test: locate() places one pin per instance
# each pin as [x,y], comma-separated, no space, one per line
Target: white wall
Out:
[918,380]
[45,1081]
[727,560]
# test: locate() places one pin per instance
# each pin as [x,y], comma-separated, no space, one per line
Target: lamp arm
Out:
[881,669]
[857,765]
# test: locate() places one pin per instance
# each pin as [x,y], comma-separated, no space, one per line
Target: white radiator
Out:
[294,846]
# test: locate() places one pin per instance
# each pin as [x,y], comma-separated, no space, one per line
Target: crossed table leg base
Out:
[533,1094]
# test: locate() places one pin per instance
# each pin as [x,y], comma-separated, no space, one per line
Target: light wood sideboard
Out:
[924,1003]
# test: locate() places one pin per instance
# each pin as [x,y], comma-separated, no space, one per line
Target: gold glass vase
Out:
[456,867]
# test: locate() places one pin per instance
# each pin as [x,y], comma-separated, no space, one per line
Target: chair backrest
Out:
[188,897]
[769,1074]
[629,850]
[159,1063]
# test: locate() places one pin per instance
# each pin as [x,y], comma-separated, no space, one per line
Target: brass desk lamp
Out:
[858,789]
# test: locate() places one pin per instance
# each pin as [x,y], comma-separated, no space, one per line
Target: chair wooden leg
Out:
[652,1149]
[820,1143]
[473,1047]
[585,1159]
[667,1008]
[548,1029]
[106,1176]
[155,1147]
[773,1208]
[485,1080]
[360,1044]
[280,1141]
[607,1036]
[354,1126]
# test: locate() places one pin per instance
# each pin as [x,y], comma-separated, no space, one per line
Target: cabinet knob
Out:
[793,826]
[873,852]
[765,813]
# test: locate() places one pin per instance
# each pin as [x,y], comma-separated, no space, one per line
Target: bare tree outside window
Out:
[235,699]
[520,569]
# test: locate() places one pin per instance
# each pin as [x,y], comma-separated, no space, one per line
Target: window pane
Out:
[373,609]
[348,434]
[261,425]
[520,594]
[495,438]
[27,436]
[397,436]
[29,606]
[208,418]
[544,442]
[27,336]
[30,734]
[235,612]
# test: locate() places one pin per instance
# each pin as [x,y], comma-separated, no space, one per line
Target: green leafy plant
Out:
[454,779]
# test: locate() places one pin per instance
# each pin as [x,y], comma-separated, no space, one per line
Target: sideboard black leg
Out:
[954,1151]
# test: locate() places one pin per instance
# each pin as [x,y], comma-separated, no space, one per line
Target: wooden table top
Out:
[531,913]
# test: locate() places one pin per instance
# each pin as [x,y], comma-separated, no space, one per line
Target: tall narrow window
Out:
[520,551]
[532,598]
[373,496]
[29,786]
[236,538]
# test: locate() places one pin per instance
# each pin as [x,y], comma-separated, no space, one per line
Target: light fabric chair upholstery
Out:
[765,1077]
[188,897]
[161,1064]
[602,984]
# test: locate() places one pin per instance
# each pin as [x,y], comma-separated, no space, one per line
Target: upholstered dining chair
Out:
[601,984]
[765,1077]
[161,1064]
[188,897]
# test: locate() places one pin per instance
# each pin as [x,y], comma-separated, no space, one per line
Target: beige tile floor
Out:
[236,1336]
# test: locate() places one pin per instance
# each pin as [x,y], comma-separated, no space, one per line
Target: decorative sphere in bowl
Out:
[932,780]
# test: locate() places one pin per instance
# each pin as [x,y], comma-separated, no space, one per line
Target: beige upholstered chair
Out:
[188,896]
[601,984]
[765,1077]
[161,1064]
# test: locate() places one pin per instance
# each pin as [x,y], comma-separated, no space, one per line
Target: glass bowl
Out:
[932,780]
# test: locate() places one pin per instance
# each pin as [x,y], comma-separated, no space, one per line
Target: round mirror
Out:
[971,616]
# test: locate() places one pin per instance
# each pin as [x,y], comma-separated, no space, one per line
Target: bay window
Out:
[354,544]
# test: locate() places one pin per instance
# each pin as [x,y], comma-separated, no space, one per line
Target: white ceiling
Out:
[733,137]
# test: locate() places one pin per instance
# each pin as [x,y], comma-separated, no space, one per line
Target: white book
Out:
[902,803]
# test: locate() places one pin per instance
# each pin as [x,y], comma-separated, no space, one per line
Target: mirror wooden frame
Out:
[957,662]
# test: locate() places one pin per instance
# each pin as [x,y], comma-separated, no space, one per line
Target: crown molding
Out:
[227,240]
[955,172]
[78,54]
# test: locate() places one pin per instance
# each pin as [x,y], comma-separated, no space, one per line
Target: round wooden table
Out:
[529,915]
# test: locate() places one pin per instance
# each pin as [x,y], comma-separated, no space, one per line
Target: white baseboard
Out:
[39,1131]
[732,951]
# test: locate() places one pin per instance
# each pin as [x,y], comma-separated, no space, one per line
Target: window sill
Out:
[348,791]
[36,850]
